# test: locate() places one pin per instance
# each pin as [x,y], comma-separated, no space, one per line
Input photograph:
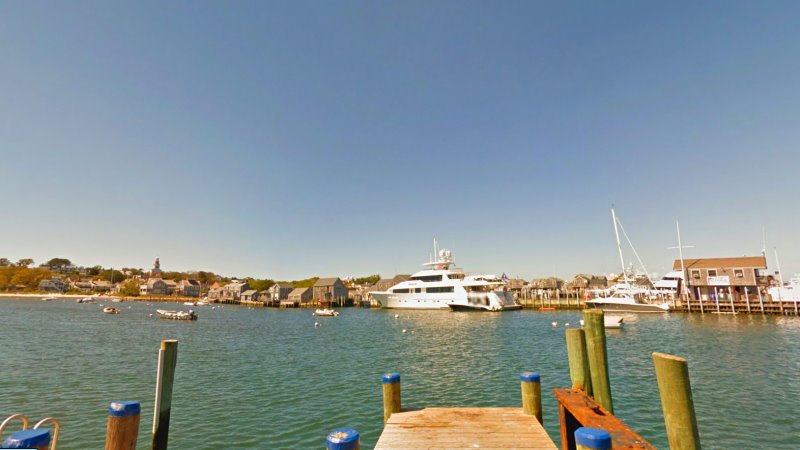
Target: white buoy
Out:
[412,331]
[397,316]
[150,315]
[555,324]
[566,324]
[316,324]
[404,330]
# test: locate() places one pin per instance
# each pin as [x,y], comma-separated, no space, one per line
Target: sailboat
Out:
[623,299]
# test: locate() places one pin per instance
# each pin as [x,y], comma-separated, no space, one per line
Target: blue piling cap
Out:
[124,409]
[342,439]
[593,438]
[390,378]
[530,377]
[29,438]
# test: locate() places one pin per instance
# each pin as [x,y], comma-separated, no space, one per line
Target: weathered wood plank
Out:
[588,413]
[462,428]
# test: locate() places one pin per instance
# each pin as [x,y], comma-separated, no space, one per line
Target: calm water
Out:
[267,378]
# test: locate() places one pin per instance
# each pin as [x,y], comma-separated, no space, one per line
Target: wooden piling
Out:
[530,384]
[122,429]
[578,360]
[343,439]
[587,438]
[595,330]
[391,394]
[165,376]
[672,373]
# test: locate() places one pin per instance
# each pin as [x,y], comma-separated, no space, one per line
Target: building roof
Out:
[298,291]
[249,292]
[757,262]
[326,282]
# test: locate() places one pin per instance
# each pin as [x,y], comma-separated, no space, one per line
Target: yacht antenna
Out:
[435,250]
[680,248]
[619,245]
[778,263]
[764,242]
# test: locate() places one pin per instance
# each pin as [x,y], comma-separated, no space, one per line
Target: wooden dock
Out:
[462,428]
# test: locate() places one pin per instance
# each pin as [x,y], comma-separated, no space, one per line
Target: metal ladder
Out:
[26,423]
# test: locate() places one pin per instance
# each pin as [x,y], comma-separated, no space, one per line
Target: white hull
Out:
[491,301]
[613,304]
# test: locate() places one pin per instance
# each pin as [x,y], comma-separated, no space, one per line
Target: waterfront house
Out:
[278,292]
[172,286]
[52,285]
[384,284]
[722,278]
[298,297]
[102,286]
[250,295]
[232,292]
[84,286]
[584,281]
[189,288]
[329,290]
[154,286]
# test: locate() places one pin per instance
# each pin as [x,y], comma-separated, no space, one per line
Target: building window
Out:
[428,278]
[738,273]
[696,274]
[712,273]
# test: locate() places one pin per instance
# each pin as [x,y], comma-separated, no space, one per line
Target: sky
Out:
[293,139]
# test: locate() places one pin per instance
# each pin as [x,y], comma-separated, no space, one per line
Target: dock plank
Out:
[463,428]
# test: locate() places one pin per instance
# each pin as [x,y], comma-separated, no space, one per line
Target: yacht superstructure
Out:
[442,286]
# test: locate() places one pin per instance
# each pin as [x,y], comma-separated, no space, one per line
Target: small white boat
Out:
[86,300]
[177,315]
[111,310]
[49,299]
[202,303]
[326,313]
[610,322]
[116,300]
[190,303]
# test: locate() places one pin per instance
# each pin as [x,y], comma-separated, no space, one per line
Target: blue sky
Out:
[291,139]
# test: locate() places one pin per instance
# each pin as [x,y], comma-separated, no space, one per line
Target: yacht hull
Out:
[626,307]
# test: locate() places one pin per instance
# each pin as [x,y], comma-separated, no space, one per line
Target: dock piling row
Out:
[595,330]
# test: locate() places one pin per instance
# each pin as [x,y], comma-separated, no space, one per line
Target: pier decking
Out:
[462,428]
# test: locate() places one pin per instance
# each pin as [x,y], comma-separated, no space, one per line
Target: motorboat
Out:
[202,303]
[325,312]
[611,322]
[177,315]
[86,300]
[442,286]
[787,293]
[190,303]
[49,299]
[626,303]
[111,310]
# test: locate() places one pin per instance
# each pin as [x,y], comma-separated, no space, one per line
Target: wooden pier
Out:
[462,428]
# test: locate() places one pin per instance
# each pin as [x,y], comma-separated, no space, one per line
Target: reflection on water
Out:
[267,378]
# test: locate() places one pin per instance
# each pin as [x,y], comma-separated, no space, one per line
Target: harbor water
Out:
[269,378]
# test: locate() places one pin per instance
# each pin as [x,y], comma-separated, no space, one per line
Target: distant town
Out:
[709,279]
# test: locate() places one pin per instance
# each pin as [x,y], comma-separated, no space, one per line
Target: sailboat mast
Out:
[619,245]
[683,267]
[778,263]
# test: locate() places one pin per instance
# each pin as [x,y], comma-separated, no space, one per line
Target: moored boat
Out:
[442,286]
[111,310]
[325,312]
[177,315]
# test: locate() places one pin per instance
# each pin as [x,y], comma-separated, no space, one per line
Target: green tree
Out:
[175,276]
[129,288]
[114,276]
[5,262]
[24,262]
[57,263]
[308,282]
[94,271]
[30,278]
[259,285]
[372,279]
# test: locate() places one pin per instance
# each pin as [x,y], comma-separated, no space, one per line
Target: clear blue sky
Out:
[291,139]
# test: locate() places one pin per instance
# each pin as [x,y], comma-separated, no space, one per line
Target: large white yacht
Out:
[441,286]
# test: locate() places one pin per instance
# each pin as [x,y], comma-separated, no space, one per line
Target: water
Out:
[267,378]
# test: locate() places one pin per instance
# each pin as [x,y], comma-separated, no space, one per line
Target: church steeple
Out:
[155,272]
